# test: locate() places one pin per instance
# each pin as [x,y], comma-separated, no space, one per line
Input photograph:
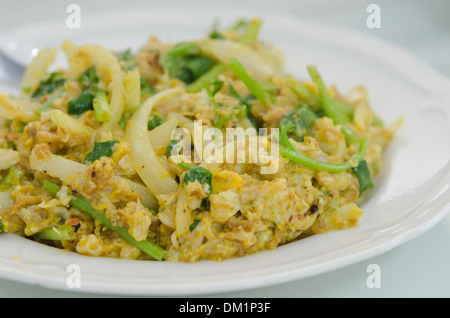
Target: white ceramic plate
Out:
[411,195]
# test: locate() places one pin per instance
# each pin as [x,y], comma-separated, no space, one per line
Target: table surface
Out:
[418,268]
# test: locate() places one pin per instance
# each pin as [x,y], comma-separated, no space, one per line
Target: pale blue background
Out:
[419,268]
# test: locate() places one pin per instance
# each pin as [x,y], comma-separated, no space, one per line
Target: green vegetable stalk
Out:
[89,80]
[340,113]
[83,205]
[313,101]
[247,38]
[251,84]
[251,32]
[331,106]
[146,89]
[289,151]
[57,233]
[209,76]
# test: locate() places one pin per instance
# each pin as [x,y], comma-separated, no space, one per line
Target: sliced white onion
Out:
[143,157]
[70,125]
[132,91]
[36,71]
[253,62]
[161,135]
[41,159]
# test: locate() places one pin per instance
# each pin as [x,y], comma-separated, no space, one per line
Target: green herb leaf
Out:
[194,225]
[80,104]
[362,172]
[209,76]
[185,62]
[245,101]
[101,149]
[196,173]
[89,80]
[48,104]
[302,119]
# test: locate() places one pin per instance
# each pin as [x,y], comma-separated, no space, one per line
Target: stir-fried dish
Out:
[90,160]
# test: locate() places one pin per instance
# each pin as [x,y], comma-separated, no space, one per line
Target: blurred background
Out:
[418,268]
